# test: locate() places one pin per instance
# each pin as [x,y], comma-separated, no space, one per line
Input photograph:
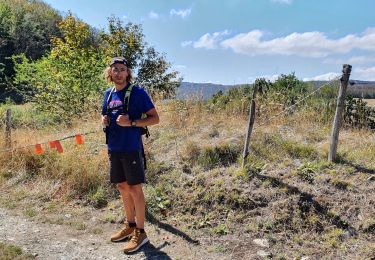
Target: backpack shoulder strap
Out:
[109,97]
[127,99]
[144,130]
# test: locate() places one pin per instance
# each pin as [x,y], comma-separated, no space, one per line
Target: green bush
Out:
[221,230]
[307,171]
[358,114]
[158,200]
[252,167]
[98,198]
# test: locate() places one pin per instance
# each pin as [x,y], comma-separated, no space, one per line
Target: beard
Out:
[119,81]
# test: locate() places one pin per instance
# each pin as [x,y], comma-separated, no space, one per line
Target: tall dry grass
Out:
[191,134]
[195,180]
[370,102]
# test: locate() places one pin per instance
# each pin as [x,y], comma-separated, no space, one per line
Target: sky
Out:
[237,41]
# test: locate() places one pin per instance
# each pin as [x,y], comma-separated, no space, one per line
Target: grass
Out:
[98,197]
[368,225]
[334,237]
[25,116]
[30,212]
[341,184]
[221,229]
[79,173]
[370,102]
[97,231]
[195,180]
[78,225]
[223,155]
[307,172]
[10,252]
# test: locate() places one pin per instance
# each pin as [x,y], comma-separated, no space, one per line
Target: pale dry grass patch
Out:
[27,136]
[188,123]
[78,170]
[370,102]
[358,145]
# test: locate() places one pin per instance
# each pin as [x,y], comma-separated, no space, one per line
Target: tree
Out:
[25,27]
[287,89]
[124,40]
[154,76]
[29,26]
[153,70]
[67,81]
[262,85]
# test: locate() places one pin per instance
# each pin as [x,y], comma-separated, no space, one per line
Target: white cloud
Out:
[356,60]
[288,2]
[153,15]
[333,61]
[308,44]
[183,13]
[210,41]
[186,43]
[181,67]
[365,73]
[361,60]
[327,76]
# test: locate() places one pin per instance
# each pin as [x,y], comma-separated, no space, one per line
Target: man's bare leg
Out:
[128,201]
[136,193]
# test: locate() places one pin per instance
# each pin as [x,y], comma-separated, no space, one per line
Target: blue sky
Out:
[237,41]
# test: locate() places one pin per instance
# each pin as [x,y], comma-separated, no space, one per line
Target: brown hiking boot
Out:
[138,239]
[123,233]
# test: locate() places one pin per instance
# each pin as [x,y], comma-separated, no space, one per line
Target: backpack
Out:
[125,109]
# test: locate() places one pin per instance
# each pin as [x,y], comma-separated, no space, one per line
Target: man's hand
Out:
[105,120]
[123,120]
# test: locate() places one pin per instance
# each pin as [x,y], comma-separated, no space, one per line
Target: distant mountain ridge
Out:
[356,88]
[205,91]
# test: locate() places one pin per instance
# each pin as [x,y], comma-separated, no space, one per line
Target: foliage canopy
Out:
[69,79]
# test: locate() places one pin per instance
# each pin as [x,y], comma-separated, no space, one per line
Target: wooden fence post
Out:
[339,112]
[8,134]
[250,126]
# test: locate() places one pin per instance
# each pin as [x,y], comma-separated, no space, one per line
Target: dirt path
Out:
[52,241]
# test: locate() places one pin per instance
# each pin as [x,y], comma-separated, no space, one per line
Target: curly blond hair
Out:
[108,78]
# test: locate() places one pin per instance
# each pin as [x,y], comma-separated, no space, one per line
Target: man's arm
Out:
[152,119]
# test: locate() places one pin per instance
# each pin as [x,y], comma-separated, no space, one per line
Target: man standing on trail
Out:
[125,149]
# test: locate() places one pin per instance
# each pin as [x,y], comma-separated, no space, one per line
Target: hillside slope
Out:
[287,203]
[204,91]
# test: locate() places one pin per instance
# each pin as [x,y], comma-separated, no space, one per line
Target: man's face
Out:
[119,73]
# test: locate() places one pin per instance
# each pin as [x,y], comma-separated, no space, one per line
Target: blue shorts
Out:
[126,167]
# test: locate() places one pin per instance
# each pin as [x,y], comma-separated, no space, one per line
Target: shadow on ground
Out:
[152,252]
[307,202]
[359,168]
[151,218]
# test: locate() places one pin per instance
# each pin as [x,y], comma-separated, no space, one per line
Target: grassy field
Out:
[287,193]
